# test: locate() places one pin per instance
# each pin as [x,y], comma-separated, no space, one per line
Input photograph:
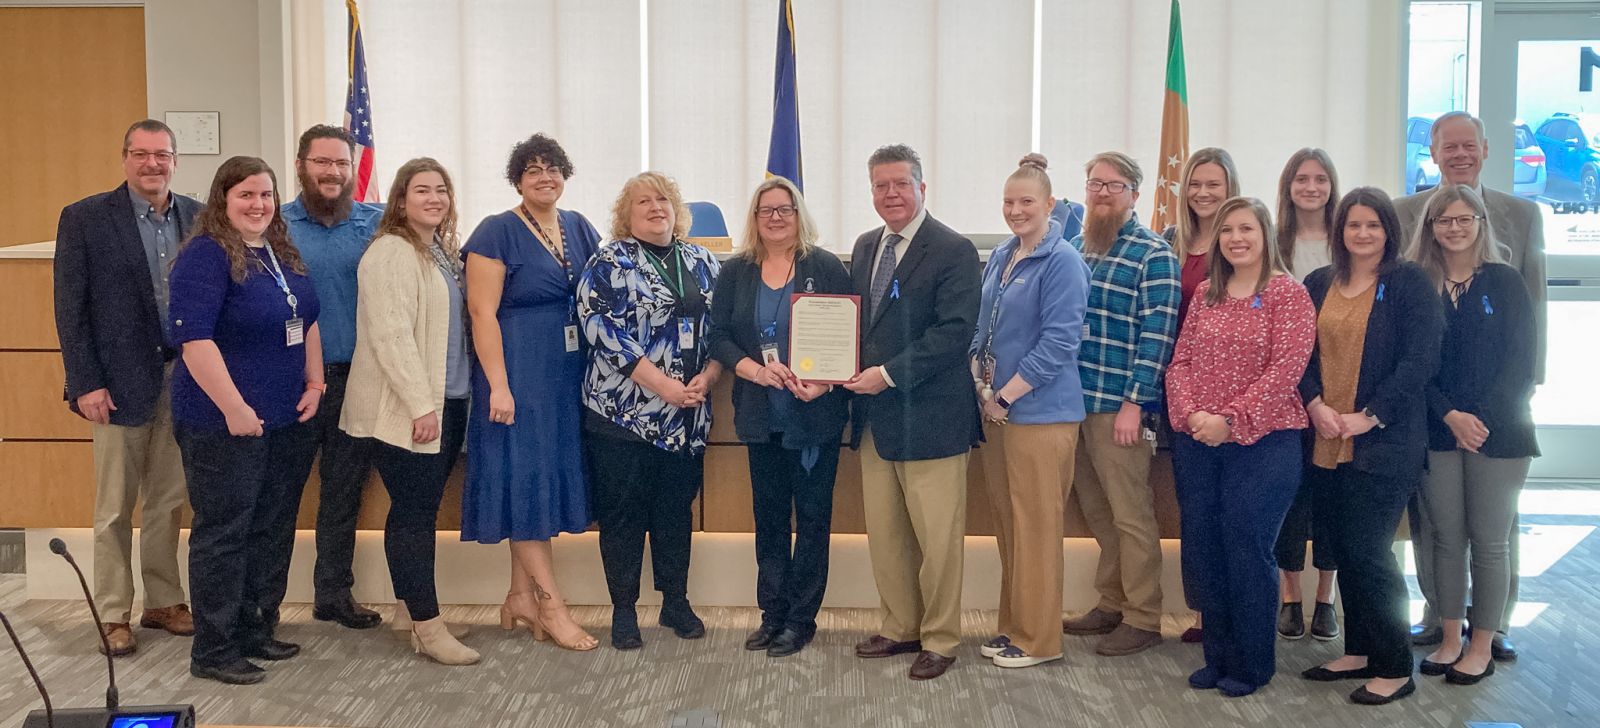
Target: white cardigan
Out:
[402,336]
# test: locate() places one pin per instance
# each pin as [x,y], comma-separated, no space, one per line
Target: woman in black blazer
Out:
[791,428]
[1378,331]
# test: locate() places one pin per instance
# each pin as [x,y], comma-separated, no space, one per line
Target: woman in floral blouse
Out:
[1236,414]
[644,304]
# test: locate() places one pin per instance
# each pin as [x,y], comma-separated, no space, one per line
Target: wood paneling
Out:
[46,485]
[27,298]
[30,398]
[73,79]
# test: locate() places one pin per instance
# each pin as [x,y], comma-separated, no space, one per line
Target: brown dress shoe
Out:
[880,646]
[1097,621]
[176,620]
[120,636]
[1127,640]
[930,665]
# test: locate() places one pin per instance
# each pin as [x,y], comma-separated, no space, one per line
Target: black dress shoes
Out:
[272,649]
[238,672]
[348,614]
[787,642]
[880,646]
[625,629]
[1363,696]
[760,639]
[1425,635]
[1323,674]
[930,665]
[1502,649]
[677,615]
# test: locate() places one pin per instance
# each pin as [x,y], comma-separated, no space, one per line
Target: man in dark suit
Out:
[1459,146]
[915,416]
[113,251]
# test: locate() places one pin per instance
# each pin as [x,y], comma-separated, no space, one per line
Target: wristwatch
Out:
[1367,411]
[1001,400]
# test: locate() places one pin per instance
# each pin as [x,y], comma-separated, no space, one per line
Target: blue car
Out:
[1571,143]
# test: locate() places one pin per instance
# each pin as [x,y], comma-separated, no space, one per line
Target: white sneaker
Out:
[994,646]
[1013,656]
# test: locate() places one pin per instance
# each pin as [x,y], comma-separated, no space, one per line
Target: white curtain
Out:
[685,87]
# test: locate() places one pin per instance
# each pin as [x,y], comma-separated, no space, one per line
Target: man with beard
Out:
[332,231]
[113,251]
[1129,329]
[1459,146]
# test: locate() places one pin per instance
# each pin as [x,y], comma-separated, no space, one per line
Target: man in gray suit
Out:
[1459,147]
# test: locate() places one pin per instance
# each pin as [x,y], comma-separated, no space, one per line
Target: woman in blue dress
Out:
[525,469]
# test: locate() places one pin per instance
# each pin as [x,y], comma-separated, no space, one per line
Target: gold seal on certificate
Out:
[824,337]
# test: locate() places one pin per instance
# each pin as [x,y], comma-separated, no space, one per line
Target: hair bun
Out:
[1034,159]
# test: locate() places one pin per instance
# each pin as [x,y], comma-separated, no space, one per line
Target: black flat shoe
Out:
[238,672]
[348,614]
[1435,669]
[787,642]
[760,639]
[1457,677]
[273,650]
[1363,696]
[678,616]
[625,629]
[1323,674]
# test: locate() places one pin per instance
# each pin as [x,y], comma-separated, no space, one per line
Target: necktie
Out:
[885,274]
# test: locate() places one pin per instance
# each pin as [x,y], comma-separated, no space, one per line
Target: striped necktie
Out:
[885,274]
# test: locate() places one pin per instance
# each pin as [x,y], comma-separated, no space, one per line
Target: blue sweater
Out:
[1038,327]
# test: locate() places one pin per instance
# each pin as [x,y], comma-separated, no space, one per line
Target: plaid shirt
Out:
[1132,319]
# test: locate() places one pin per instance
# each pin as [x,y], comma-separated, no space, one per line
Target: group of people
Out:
[575,370]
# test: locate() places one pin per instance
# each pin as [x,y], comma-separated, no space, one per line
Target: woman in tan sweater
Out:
[409,383]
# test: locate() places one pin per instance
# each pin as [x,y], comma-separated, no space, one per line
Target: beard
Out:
[1101,224]
[328,211]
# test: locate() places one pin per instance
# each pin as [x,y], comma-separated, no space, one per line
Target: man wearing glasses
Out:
[113,251]
[1129,329]
[332,230]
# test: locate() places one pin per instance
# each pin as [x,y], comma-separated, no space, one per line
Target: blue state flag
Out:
[783,155]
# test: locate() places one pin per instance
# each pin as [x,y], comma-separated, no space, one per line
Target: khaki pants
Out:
[916,514]
[1028,469]
[130,464]
[1112,485]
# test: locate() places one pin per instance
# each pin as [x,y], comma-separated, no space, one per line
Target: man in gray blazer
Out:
[1459,147]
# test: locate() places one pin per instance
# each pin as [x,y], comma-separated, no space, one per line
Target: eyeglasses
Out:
[1114,187]
[141,156]
[343,165]
[782,212]
[1460,221]
[899,185]
[537,171]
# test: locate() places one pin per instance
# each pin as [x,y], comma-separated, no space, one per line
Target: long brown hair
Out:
[213,219]
[1220,270]
[1188,224]
[394,222]
[1289,215]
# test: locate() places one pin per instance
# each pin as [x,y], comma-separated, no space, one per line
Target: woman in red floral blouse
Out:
[1236,452]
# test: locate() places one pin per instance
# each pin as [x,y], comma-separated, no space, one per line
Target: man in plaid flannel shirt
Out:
[1129,330]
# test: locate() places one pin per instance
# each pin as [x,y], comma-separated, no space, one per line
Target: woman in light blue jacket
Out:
[1024,364]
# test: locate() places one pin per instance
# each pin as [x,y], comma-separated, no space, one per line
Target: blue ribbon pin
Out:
[1255,302]
[894,290]
[1487,309]
[1380,291]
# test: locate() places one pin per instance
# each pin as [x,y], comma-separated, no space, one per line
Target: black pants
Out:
[641,489]
[245,494]
[1363,512]
[415,482]
[1304,522]
[789,586]
[346,462]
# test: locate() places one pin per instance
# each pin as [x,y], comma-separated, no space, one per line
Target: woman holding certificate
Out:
[1024,365]
[791,428]
[644,304]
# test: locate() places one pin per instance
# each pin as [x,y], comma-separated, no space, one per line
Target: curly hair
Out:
[213,219]
[537,148]
[621,218]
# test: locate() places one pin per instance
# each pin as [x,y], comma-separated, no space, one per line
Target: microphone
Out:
[59,547]
[49,711]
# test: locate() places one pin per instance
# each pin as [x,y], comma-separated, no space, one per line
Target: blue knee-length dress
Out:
[527,481]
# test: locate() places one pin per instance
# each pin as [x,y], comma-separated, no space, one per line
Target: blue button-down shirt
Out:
[159,233]
[332,255]
[1132,320]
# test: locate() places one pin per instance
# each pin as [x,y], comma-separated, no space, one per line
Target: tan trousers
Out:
[130,464]
[1112,486]
[1028,471]
[916,514]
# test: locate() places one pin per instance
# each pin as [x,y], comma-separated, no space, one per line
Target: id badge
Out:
[572,337]
[294,331]
[685,333]
[769,354]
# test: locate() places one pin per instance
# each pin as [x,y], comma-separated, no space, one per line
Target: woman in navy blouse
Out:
[644,304]
[249,379]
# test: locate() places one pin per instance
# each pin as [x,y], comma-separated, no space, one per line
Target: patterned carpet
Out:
[371,679]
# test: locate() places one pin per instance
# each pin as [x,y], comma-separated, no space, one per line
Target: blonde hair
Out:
[394,222]
[750,245]
[1425,249]
[1219,270]
[1188,224]
[1033,166]
[621,224]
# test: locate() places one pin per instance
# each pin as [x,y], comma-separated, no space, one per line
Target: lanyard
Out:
[679,265]
[436,249]
[283,283]
[770,331]
[986,355]
[556,246]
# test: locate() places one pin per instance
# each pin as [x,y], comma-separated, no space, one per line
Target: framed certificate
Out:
[824,337]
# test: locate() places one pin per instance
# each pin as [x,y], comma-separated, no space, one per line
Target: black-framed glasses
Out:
[782,212]
[1115,187]
[1460,221]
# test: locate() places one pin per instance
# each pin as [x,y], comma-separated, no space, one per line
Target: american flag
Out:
[358,110]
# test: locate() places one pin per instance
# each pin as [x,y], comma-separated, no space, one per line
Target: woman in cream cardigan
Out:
[409,383]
